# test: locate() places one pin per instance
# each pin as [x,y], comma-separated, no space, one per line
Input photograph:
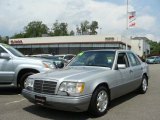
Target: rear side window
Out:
[133,59]
[122,59]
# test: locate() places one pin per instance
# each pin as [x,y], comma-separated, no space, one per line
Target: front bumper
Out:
[66,103]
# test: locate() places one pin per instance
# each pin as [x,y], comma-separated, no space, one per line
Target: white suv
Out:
[15,67]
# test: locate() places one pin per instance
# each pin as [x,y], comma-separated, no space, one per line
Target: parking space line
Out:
[15,101]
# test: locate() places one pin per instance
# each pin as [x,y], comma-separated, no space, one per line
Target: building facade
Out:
[140,46]
[67,44]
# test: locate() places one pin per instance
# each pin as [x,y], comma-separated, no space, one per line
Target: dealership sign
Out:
[109,38]
[16,42]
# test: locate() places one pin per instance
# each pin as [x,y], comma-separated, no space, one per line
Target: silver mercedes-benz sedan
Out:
[89,82]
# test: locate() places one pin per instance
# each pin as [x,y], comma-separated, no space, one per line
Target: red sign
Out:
[16,42]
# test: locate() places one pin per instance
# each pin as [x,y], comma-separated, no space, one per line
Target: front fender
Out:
[27,66]
[110,78]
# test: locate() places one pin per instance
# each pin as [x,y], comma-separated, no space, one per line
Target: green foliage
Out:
[78,30]
[93,27]
[87,28]
[35,29]
[60,29]
[18,35]
[155,47]
[38,29]
[72,33]
[4,39]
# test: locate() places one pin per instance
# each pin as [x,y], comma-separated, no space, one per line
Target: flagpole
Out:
[127,16]
[127,25]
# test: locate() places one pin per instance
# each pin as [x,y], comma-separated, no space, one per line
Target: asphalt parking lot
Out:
[133,106]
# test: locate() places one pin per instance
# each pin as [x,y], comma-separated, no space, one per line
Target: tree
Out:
[4,39]
[93,27]
[35,29]
[64,29]
[155,47]
[78,29]
[0,38]
[72,33]
[19,35]
[85,27]
[60,29]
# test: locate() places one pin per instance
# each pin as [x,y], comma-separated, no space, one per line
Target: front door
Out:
[125,75]
[6,71]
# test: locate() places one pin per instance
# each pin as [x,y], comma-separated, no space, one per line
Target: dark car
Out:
[67,57]
[59,63]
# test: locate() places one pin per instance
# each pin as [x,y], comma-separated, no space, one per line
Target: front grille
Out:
[45,87]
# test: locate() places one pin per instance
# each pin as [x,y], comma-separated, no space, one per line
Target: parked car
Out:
[89,82]
[66,57]
[153,60]
[15,67]
[59,63]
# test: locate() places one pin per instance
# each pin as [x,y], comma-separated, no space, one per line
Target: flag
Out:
[131,19]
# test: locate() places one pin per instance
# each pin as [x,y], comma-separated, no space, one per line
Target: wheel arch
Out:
[105,85]
[23,71]
[145,74]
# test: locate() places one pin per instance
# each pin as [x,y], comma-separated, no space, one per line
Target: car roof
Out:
[119,50]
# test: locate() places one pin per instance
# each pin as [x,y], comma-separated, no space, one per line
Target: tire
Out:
[144,85]
[99,102]
[24,78]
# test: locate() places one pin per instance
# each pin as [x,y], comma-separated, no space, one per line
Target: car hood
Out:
[33,59]
[70,73]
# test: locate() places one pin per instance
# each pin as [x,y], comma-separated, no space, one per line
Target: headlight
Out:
[48,65]
[29,84]
[72,87]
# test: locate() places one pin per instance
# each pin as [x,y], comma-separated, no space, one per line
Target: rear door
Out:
[137,69]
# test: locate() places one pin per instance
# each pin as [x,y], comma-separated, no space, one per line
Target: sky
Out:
[110,15]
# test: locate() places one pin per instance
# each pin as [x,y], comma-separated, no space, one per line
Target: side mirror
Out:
[5,55]
[121,66]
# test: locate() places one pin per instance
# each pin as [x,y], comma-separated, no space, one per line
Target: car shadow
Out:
[122,99]
[61,115]
[9,91]
[56,114]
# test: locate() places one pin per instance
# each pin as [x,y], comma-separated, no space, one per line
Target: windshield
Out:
[13,50]
[94,58]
